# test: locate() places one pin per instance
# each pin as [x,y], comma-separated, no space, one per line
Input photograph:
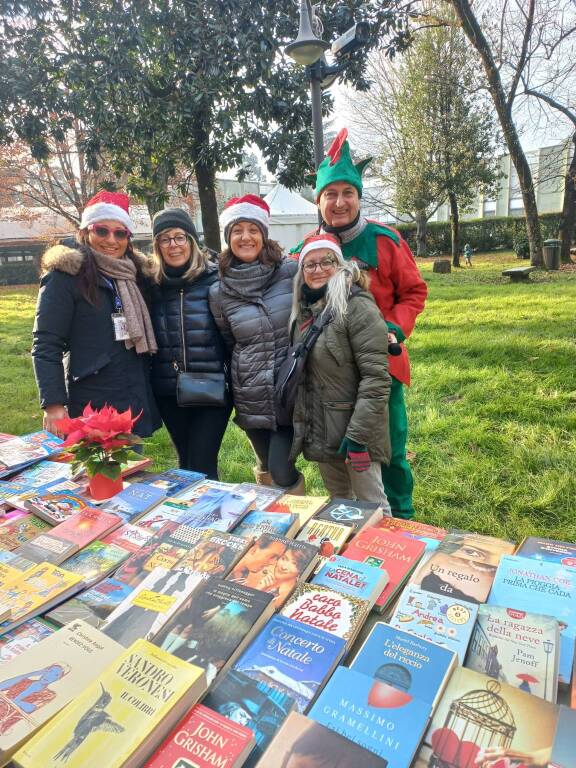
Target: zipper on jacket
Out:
[182,328]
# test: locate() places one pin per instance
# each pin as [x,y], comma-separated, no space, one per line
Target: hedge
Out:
[19,273]
[503,232]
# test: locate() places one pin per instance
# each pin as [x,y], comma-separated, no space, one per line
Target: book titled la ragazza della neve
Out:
[527,585]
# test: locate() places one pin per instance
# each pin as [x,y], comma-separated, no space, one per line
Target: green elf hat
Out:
[338,166]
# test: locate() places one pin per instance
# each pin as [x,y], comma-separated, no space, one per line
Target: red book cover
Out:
[86,526]
[204,739]
[390,551]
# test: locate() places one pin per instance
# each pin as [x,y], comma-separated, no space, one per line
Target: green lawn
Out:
[492,407]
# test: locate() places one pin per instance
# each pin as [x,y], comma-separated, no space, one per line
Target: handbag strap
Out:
[313,333]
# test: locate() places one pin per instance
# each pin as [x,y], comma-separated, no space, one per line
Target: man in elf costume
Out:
[395,282]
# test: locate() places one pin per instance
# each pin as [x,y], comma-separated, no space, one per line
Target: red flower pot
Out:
[102,487]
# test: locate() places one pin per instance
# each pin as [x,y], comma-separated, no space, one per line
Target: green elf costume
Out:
[400,293]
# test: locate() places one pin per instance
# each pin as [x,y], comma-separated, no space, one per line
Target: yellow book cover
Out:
[45,677]
[8,574]
[35,589]
[122,716]
[303,506]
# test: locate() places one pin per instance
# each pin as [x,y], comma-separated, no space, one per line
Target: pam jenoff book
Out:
[122,716]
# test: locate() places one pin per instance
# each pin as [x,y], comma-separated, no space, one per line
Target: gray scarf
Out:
[247,281]
[138,322]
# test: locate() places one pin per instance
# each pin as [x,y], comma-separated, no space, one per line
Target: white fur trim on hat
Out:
[247,212]
[313,245]
[102,211]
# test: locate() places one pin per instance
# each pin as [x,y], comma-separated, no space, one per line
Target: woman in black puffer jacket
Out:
[188,340]
[251,305]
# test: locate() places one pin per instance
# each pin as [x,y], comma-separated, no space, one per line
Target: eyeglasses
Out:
[325,264]
[102,231]
[164,242]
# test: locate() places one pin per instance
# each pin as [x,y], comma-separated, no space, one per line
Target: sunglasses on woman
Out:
[100,230]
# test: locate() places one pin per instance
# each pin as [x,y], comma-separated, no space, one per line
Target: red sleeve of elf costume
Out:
[410,290]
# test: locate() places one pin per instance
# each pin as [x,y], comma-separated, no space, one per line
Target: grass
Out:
[492,408]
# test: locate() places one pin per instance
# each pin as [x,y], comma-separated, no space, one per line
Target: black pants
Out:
[196,433]
[272,450]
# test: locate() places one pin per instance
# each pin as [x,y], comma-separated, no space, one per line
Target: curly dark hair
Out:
[271,253]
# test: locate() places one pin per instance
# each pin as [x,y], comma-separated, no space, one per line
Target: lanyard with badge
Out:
[118,316]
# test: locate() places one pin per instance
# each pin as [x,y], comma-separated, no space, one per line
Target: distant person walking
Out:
[468,255]
[93,336]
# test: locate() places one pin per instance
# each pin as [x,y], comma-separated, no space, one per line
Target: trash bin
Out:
[552,254]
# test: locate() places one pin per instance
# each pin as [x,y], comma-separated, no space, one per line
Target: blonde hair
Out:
[198,261]
[347,274]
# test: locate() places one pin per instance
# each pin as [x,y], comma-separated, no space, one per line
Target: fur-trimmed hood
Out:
[69,260]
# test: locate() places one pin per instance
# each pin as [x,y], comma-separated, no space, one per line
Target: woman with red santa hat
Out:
[93,335]
[251,306]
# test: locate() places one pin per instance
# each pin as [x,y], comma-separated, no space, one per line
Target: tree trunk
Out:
[421,222]
[504,109]
[454,229]
[206,180]
[568,218]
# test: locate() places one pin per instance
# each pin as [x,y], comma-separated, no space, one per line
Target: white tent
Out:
[291,216]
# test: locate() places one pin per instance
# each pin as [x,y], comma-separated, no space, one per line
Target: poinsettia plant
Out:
[100,440]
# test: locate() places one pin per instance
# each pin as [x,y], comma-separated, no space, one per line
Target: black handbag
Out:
[203,389]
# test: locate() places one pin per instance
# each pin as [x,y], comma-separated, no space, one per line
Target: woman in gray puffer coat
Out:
[251,306]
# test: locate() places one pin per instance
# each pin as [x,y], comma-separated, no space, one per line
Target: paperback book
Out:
[43,473]
[173,481]
[218,510]
[327,536]
[263,494]
[17,641]
[355,514]
[390,551]
[93,606]
[351,577]
[149,606]
[14,533]
[275,565]
[95,562]
[54,504]
[528,585]
[561,552]
[431,535]
[256,522]
[129,537]
[134,501]
[324,608]
[141,562]
[204,739]
[138,699]
[310,744]
[215,554]
[518,648]
[304,507]
[445,621]
[20,452]
[411,665]
[169,511]
[251,703]
[202,487]
[213,625]
[389,721]
[38,683]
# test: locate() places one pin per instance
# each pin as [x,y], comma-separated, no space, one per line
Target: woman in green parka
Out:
[341,411]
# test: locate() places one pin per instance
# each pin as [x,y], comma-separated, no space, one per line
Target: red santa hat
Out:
[324,240]
[107,205]
[246,208]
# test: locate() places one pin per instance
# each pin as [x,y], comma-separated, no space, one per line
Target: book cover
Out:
[529,585]
[463,566]
[327,536]
[121,716]
[36,684]
[563,754]
[169,511]
[517,648]
[10,514]
[561,552]
[54,504]
[431,535]
[352,578]
[43,473]
[292,658]
[405,662]
[303,506]
[215,554]
[218,510]
[204,739]
[128,537]
[196,491]
[93,606]
[390,551]
[444,620]
[86,526]
[35,592]
[355,514]
[134,501]
[213,624]
[140,563]
[9,574]
[386,720]
[17,641]
[149,606]
[95,562]
[173,481]
[14,533]
[275,564]
[263,494]
[253,704]
[307,743]
[482,723]
[47,548]
[19,452]
[328,610]
[257,522]
[15,562]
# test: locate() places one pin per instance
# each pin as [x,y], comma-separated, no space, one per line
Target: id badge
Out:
[120,328]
